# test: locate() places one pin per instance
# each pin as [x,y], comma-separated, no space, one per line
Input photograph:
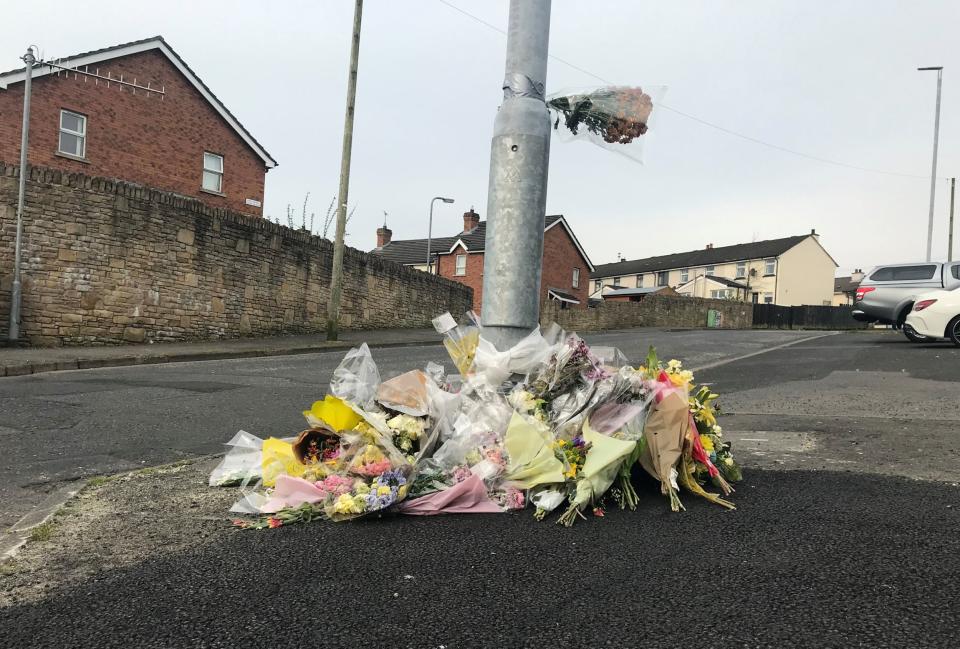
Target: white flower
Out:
[674,365]
[410,426]
[686,376]
[717,430]
[523,400]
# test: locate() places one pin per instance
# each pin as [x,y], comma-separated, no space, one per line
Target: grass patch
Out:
[42,532]
[8,568]
[99,480]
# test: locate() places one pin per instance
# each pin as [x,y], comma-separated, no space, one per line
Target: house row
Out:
[788,271]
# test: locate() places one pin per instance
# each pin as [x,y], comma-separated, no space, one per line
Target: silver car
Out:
[887,293]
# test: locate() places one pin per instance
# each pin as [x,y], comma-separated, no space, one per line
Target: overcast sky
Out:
[834,80]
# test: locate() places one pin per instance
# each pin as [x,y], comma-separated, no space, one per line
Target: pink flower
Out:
[461,473]
[373,469]
[273,522]
[515,499]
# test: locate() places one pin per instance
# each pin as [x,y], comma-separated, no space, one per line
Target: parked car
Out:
[936,315]
[887,293]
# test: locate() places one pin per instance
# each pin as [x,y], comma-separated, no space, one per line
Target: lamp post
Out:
[13,330]
[430,226]
[933,173]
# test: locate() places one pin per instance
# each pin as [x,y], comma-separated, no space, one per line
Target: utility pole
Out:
[16,292]
[336,274]
[953,185]
[517,193]
[933,173]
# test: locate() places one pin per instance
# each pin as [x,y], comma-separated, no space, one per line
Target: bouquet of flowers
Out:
[617,115]
[570,431]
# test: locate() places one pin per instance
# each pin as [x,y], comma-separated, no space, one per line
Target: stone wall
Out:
[652,311]
[107,261]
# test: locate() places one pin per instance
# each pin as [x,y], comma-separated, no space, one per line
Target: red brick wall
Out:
[560,257]
[473,278]
[135,137]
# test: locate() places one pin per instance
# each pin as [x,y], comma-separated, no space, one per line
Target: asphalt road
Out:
[826,548]
[60,426]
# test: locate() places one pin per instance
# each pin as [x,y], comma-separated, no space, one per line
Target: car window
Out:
[956,271]
[904,273]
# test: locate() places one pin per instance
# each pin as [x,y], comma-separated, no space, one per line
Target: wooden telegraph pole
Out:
[336,275]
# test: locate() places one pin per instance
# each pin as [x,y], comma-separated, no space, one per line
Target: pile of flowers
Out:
[572,431]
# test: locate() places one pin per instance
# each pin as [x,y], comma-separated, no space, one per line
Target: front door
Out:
[756,298]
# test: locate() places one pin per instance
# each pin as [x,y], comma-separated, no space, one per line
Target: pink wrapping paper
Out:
[291,492]
[467,497]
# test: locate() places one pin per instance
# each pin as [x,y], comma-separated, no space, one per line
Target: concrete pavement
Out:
[18,361]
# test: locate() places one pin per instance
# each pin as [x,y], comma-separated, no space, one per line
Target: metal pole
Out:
[953,185]
[933,173]
[517,194]
[336,273]
[13,331]
[430,233]
[430,228]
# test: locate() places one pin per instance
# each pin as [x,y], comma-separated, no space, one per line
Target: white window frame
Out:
[741,273]
[768,298]
[684,275]
[460,269]
[710,271]
[597,285]
[616,281]
[639,281]
[218,173]
[576,278]
[81,135]
[769,266]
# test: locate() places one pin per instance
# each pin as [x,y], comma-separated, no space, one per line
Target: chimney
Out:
[857,276]
[384,235]
[709,246]
[813,233]
[470,220]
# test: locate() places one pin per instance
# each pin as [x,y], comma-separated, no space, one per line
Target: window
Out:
[663,278]
[710,270]
[576,278]
[597,284]
[639,281]
[741,269]
[768,298]
[212,172]
[685,275]
[956,271]
[616,281]
[722,294]
[904,273]
[73,134]
[769,266]
[461,268]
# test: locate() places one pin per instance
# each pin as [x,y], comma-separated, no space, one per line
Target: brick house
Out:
[566,267]
[183,140]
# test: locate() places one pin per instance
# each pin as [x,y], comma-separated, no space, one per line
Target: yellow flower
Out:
[561,443]
[383,491]
[347,504]
[572,471]
[707,443]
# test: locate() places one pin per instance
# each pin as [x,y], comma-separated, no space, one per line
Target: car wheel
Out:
[953,331]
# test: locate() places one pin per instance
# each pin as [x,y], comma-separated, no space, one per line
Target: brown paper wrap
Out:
[665,431]
[408,390]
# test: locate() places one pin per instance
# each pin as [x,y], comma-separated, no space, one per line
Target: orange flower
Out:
[274,522]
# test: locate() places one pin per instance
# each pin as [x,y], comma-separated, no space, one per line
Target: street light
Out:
[933,173]
[430,227]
